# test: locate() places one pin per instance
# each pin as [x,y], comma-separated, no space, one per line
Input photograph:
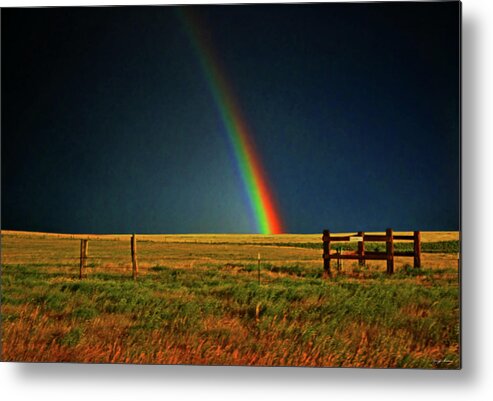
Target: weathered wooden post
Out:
[326,254]
[258,268]
[339,253]
[361,248]
[417,249]
[390,251]
[81,266]
[86,252]
[133,247]
[84,245]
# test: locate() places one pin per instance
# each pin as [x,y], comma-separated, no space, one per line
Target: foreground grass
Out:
[214,315]
[214,311]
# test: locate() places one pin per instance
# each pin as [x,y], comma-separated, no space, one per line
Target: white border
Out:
[87,382]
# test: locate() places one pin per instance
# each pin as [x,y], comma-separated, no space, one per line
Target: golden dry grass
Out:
[197,301]
[427,236]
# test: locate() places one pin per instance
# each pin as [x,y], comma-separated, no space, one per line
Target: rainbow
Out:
[251,170]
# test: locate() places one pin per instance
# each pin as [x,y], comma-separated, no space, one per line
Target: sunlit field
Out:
[200,299]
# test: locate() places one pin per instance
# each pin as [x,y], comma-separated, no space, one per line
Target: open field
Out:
[427,236]
[197,301]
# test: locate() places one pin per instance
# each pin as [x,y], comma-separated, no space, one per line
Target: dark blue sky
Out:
[108,123]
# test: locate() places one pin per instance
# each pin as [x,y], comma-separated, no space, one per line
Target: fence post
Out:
[81,266]
[133,248]
[84,245]
[390,251]
[361,248]
[258,268]
[86,252]
[339,252]
[417,249]
[326,254]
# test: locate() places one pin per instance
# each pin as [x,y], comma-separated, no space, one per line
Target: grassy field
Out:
[198,301]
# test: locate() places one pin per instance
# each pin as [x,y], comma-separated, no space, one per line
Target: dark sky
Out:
[109,125]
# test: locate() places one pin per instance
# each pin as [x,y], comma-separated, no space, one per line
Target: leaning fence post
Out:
[361,248]
[84,245]
[417,249]
[133,248]
[390,251]
[326,254]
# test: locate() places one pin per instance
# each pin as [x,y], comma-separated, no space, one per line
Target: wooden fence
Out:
[84,248]
[362,255]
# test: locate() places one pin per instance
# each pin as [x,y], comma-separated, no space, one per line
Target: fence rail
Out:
[362,255]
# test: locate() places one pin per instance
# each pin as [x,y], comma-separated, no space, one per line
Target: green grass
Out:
[380,321]
[426,247]
[202,304]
